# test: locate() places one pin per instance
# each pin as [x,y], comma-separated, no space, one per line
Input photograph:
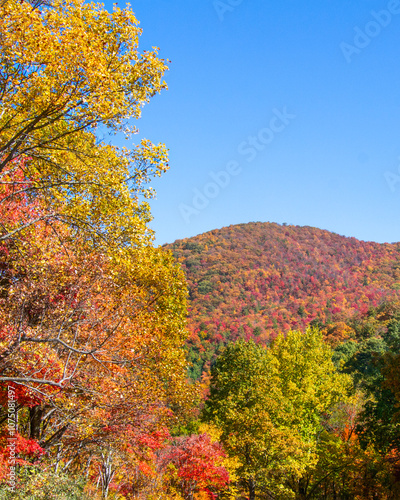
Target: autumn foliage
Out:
[281,383]
[256,280]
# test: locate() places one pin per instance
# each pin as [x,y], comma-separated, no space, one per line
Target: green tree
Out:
[243,401]
[269,405]
[369,362]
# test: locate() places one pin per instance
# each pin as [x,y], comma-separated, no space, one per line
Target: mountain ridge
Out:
[257,279]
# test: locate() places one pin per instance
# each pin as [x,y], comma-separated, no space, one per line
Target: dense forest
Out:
[255,280]
[253,362]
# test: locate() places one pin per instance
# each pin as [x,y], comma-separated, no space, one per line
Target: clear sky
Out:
[276,111]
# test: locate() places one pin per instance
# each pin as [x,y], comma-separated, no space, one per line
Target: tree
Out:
[198,463]
[369,361]
[269,404]
[243,403]
[92,316]
[66,69]
[94,344]
[69,67]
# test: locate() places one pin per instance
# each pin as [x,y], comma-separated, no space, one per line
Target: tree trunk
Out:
[35,420]
[302,490]
[252,489]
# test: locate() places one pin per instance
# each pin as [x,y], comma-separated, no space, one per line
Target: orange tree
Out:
[92,316]
[94,342]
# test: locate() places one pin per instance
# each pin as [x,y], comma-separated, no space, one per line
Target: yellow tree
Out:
[66,70]
[92,317]
[312,389]
[244,402]
[69,67]
[269,404]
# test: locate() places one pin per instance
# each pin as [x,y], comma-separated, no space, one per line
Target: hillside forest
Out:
[257,361]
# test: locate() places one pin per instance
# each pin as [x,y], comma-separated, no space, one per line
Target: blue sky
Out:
[276,111]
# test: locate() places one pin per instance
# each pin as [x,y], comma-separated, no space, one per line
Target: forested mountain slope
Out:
[258,279]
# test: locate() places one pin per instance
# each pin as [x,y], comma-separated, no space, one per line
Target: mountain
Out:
[257,279]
